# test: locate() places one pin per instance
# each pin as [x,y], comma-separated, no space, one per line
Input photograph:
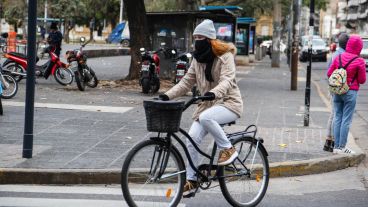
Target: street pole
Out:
[121,11]
[276,34]
[295,46]
[30,84]
[309,68]
[290,29]
[45,16]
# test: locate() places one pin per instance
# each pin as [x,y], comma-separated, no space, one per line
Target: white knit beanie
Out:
[206,29]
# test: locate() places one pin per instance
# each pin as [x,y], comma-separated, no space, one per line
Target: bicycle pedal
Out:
[190,195]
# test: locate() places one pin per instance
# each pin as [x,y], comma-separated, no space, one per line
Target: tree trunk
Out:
[66,32]
[139,36]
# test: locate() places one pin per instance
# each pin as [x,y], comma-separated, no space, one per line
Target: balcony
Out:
[363,15]
[352,17]
[353,3]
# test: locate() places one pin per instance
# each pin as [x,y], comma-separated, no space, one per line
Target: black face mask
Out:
[203,54]
[203,51]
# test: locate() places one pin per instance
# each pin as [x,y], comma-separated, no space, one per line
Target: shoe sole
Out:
[230,160]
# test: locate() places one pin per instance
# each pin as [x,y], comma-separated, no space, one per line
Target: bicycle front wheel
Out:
[245,183]
[142,182]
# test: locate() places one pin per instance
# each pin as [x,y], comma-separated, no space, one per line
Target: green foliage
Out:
[15,11]
[319,4]
[160,5]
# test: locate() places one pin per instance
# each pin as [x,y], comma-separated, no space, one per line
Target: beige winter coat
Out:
[224,85]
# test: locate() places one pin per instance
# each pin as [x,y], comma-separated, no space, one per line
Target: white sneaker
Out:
[347,150]
[337,151]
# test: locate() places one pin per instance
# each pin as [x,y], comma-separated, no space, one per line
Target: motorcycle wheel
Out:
[156,85]
[64,76]
[145,85]
[14,67]
[93,82]
[11,89]
[79,79]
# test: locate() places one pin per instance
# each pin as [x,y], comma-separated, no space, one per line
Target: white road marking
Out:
[105,109]
[8,200]
[47,202]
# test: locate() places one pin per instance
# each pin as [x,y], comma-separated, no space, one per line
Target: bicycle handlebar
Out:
[196,98]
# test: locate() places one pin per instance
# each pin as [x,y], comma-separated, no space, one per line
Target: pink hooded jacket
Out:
[356,68]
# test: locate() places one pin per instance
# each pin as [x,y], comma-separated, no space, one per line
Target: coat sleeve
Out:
[333,66]
[185,84]
[361,72]
[227,76]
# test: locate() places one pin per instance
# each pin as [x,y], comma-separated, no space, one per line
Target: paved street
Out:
[95,129]
[336,189]
[82,139]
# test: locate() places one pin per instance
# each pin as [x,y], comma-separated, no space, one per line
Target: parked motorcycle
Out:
[8,85]
[84,75]
[150,70]
[181,65]
[16,65]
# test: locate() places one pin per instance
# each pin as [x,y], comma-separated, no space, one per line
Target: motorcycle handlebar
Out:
[83,45]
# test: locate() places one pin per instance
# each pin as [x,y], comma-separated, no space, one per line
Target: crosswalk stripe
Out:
[107,109]
[16,195]
[47,202]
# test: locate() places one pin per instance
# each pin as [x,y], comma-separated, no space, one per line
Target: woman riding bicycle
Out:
[213,70]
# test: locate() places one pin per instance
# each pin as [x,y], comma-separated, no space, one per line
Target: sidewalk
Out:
[88,144]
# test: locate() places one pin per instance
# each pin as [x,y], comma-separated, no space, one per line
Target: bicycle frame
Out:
[211,166]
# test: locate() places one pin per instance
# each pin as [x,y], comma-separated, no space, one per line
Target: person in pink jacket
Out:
[344,105]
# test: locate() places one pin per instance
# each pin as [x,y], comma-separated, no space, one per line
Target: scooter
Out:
[150,70]
[16,65]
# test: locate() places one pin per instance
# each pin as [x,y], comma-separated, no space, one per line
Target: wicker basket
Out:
[163,116]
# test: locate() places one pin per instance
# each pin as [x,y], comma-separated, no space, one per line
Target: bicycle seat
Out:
[228,124]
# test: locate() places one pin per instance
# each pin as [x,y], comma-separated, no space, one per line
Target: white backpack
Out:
[337,82]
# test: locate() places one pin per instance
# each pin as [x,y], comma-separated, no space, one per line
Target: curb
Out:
[112,176]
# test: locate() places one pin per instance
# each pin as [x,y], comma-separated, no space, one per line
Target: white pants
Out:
[209,122]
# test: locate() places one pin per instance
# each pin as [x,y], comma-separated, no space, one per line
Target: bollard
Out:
[264,51]
[258,53]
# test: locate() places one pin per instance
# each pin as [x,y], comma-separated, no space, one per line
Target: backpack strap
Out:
[340,64]
[346,66]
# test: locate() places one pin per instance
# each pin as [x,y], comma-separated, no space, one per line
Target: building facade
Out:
[352,16]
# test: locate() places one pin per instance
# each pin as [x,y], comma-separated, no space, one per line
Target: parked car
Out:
[120,34]
[364,53]
[319,49]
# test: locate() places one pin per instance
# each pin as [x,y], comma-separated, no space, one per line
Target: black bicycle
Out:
[154,170]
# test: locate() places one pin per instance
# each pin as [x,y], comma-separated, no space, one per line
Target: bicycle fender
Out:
[254,140]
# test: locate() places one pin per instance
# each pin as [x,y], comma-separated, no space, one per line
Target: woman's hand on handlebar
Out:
[209,96]
[163,97]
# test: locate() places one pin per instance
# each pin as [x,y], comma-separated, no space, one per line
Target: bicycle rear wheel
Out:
[141,182]
[246,189]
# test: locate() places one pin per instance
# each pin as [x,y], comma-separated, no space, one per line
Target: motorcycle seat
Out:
[18,55]
[21,55]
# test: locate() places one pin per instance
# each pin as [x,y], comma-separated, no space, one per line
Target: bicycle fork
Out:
[159,162]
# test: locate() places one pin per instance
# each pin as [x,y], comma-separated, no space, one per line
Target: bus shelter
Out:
[245,35]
